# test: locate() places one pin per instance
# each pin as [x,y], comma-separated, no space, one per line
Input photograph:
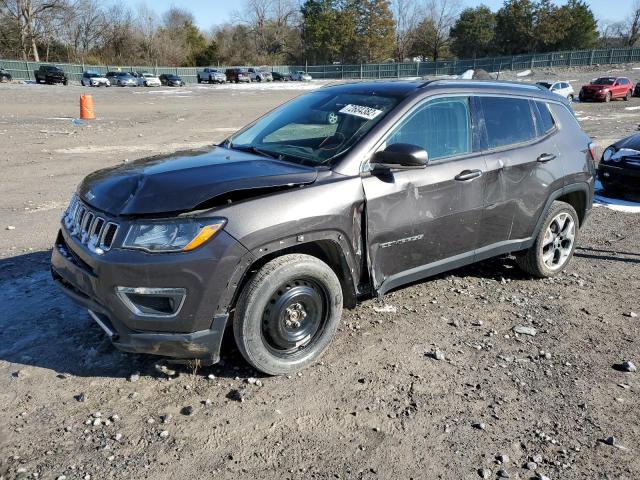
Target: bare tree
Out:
[407,16]
[29,13]
[270,24]
[432,34]
[633,26]
[147,24]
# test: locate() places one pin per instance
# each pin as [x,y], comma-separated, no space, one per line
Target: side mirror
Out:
[400,155]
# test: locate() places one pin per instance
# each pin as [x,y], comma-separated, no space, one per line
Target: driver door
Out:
[424,221]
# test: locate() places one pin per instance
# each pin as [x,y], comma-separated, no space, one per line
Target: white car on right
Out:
[562,88]
[300,76]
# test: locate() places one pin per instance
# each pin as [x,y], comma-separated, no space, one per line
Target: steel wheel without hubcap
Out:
[294,317]
[557,244]
[287,313]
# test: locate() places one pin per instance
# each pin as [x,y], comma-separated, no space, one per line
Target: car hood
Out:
[185,181]
[630,143]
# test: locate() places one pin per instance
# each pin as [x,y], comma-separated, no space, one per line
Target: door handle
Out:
[468,175]
[546,157]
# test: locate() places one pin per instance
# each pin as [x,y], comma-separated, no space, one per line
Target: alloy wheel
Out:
[558,241]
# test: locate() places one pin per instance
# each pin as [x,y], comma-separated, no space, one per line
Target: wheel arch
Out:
[578,195]
[331,248]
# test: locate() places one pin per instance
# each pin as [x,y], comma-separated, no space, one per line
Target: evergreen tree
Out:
[579,26]
[515,23]
[376,30]
[473,33]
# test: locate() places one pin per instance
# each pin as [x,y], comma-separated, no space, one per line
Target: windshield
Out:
[123,75]
[92,74]
[544,84]
[604,81]
[316,128]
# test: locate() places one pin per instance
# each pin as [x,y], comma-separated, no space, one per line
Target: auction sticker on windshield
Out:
[360,111]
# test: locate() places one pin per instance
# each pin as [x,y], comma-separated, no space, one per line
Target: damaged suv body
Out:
[344,193]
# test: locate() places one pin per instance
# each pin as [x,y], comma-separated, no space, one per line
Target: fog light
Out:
[606,174]
[152,302]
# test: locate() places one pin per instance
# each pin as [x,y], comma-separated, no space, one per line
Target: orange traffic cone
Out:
[86,108]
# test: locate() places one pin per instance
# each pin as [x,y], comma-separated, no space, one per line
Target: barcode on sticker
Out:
[361,111]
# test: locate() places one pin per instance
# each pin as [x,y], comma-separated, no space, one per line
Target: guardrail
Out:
[22,70]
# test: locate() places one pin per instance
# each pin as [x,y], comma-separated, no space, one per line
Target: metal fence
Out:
[22,70]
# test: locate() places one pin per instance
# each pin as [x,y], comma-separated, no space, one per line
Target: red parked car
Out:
[604,89]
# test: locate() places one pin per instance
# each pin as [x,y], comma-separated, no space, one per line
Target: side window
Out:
[508,121]
[442,127]
[543,118]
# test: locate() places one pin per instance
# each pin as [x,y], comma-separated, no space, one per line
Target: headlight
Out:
[608,153]
[172,236]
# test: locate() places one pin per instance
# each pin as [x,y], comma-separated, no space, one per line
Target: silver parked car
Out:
[122,79]
[301,76]
[259,75]
[94,79]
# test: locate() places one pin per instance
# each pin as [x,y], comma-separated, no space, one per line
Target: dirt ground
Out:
[378,405]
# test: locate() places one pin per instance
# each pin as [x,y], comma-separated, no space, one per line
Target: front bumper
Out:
[595,95]
[195,332]
[623,178]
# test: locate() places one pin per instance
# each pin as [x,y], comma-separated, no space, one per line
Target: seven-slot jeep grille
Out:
[89,227]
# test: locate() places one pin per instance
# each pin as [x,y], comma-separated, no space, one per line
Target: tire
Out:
[551,253]
[607,97]
[297,289]
[199,80]
[627,97]
[570,97]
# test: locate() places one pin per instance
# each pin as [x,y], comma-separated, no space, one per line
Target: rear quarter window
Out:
[544,119]
[508,121]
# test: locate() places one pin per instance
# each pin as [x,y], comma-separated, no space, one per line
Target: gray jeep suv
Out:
[344,193]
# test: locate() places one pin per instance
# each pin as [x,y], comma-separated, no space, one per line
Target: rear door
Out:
[523,168]
[418,220]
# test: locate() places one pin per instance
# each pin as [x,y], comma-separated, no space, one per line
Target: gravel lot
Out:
[381,404]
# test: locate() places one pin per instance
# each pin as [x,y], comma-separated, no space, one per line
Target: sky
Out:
[213,12]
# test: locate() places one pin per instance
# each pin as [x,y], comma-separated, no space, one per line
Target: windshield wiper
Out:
[256,150]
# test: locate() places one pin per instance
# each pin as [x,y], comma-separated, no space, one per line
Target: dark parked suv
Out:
[344,193]
[50,74]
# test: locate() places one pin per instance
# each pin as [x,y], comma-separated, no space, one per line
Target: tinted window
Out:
[543,118]
[623,81]
[508,121]
[442,127]
[604,81]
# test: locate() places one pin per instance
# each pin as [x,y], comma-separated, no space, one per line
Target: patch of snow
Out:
[267,86]
[525,73]
[468,75]
[617,204]
[632,108]
[167,92]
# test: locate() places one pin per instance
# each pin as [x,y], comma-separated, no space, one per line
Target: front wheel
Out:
[287,314]
[628,96]
[554,246]
[570,97]
[607,97]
